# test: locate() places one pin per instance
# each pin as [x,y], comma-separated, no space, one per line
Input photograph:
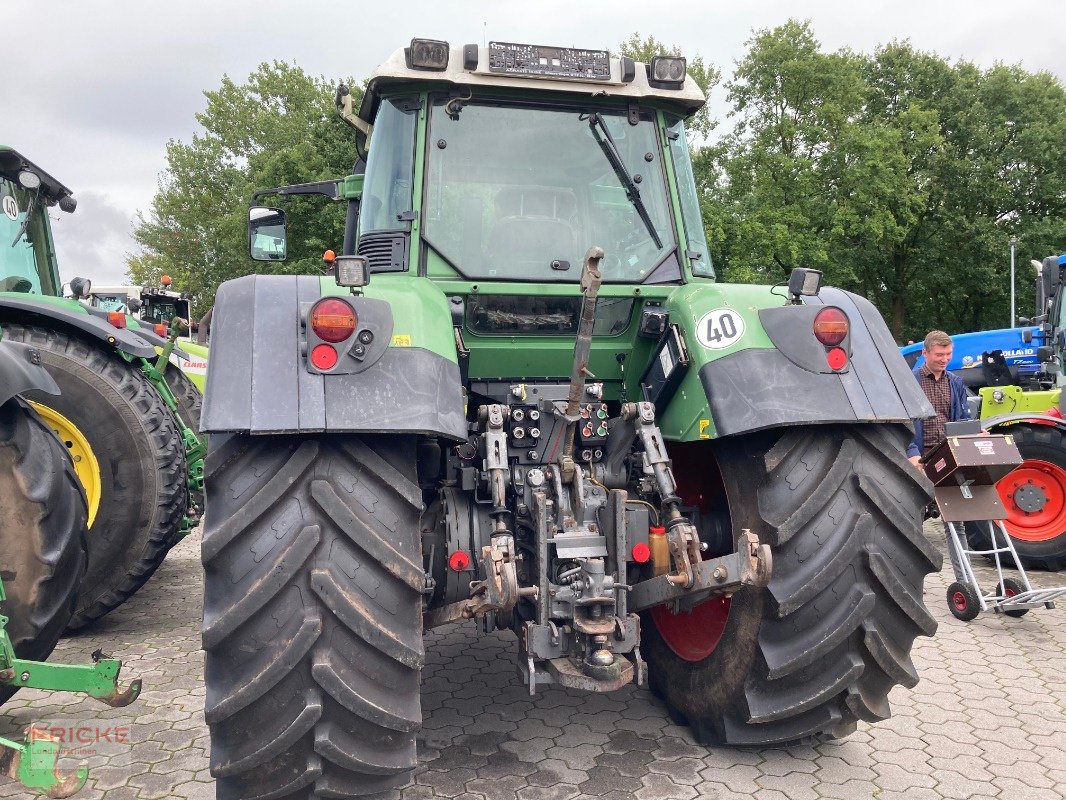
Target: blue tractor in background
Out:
[1015,379]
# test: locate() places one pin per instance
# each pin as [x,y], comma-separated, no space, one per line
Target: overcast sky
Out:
[94,89]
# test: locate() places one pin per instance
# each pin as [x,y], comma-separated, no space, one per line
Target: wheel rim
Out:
[958,600]
[1034,477]
[86,466]
[693,635]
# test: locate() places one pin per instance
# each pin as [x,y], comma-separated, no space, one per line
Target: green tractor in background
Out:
[524,399]
[43,515]
[156,307]
[124,412]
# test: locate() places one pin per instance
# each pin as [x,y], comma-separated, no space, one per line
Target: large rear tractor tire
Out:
[42,533]
[821,647]
[1034,495]
[128,455]
[312,614]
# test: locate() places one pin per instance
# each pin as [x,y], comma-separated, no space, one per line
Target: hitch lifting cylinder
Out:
[660,551]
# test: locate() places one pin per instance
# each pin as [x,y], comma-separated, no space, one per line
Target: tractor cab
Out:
[27,255]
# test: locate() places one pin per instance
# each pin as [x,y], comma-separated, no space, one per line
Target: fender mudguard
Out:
[21,370]
[757,388]
[258,381]
[990,423]
[140,330]
[51,312]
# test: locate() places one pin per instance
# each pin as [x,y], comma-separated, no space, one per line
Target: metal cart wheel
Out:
[1008,588]
[963,601]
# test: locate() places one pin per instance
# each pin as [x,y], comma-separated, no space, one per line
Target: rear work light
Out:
[831,326]
[333,320]
[668,69]
[428,54]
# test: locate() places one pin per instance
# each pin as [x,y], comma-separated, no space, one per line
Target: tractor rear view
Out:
[132,437]
[524,399]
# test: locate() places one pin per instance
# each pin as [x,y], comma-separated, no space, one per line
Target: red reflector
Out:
[459,561]
[332,320]
[836,358]
[160,329]
[830,326]
[324,356]
[117,319]
[641,552]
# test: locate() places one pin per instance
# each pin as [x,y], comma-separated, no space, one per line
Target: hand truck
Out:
[964,469]
[1011,596]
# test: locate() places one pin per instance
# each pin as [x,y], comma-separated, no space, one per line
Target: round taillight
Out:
[324,357]
[830,326]
[333,320]
[836,358]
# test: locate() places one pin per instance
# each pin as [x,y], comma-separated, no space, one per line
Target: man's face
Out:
[937,357]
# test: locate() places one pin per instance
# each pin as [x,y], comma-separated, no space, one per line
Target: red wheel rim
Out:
[958,600]
[693,635]
[1050,521]
[1008,592]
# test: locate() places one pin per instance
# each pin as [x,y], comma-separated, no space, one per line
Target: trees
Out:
[900,175]
[279,127]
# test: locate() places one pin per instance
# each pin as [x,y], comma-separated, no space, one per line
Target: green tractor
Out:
[156,307]
[43,515]
[127,416]
[523,398]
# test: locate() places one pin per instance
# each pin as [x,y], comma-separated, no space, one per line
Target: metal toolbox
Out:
[980,460]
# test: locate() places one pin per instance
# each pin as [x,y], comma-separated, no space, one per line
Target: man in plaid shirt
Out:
[945,391]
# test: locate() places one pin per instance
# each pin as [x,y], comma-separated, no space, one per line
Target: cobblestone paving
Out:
[988,718]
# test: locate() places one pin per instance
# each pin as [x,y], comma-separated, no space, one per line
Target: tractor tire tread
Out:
[312,627]
[168,463]
[42,534]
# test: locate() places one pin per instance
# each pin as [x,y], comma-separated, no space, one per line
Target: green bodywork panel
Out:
[65,303]
[422,318]
[1015,400]
[419,310]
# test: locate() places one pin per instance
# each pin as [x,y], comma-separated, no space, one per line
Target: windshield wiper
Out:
[29,215]
[603,136]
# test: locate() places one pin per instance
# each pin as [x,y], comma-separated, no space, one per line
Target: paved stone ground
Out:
[987,720]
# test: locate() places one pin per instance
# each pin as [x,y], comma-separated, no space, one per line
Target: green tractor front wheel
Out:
[42,533]
[109,411]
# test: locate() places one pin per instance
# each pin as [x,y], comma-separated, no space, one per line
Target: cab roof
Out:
[627,79]
[12,163]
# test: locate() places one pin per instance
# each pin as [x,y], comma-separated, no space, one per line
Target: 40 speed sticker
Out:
[720,328]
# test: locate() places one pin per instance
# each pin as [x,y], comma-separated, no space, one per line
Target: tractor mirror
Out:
[266,234]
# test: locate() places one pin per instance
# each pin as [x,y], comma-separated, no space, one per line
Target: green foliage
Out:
[899,174]
[279,127]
